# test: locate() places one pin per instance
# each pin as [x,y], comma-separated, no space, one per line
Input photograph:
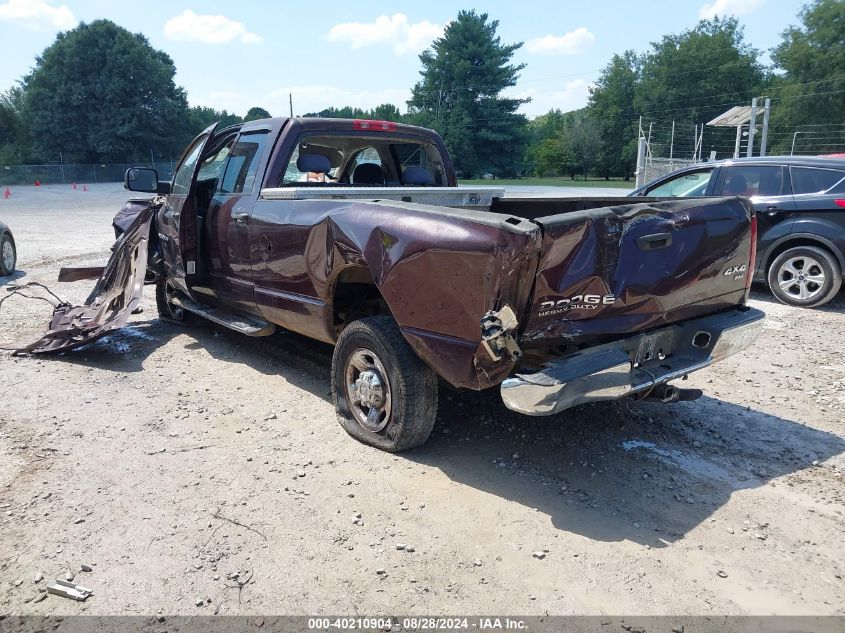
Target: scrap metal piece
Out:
[67,589]
[68,274]
[496,329]
[115,296]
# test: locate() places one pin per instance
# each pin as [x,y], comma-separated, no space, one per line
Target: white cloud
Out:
[37,14]
[396,30]
[306,98]
[728,7]
[208,29]
[570,43]
[572,96]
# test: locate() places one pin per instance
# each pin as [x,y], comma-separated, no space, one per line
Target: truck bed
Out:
[463,197]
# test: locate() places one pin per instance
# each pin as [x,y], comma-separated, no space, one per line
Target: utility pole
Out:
[290,97]
[672,146]
[62,161]
[764,137]
[738,140]
[752,126]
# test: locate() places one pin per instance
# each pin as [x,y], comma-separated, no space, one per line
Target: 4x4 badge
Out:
[737,272]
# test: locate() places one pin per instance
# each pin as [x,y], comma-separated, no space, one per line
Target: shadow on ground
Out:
[639,471]
[761,292]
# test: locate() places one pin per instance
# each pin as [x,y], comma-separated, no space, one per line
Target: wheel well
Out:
[798,241]
[355,296]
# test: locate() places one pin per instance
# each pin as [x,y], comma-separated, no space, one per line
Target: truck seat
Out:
[368,174]
[417,176]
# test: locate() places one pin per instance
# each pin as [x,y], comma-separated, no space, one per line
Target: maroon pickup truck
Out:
[356,233]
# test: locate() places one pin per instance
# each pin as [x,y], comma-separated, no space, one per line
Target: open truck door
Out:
[177,220]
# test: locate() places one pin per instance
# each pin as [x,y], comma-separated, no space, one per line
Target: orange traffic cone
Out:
[84,187]
[74,186]
[7,193]
[37,183]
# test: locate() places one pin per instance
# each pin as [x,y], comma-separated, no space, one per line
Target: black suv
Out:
[800,204]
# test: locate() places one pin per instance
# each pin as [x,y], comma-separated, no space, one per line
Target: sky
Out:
[235,55]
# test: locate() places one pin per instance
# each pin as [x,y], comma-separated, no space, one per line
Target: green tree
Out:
[101,93]
[610,107]
[256,113]
[13,137]
[696,75]
[583,140]
[546,153]
[386,112]
[463,75]
[812,90]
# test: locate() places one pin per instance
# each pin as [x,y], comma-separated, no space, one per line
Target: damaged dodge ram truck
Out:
[355,233]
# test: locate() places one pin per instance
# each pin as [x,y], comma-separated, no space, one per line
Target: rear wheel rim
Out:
[801,277]
[368,390]
[8,255]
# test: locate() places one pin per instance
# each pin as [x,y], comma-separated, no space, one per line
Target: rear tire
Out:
[805,276]
[166,310]
[8,255]
[385,396]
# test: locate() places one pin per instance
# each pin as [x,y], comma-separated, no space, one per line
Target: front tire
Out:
[167,311]
[805,276]
[8,255]
[385,396]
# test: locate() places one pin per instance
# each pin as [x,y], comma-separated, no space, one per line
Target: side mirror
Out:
[144,179]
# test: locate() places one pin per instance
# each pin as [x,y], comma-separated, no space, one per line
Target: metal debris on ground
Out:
[67,589]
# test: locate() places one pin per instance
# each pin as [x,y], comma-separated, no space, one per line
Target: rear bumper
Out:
[632,365]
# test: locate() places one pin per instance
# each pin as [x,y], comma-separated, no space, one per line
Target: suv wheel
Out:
[8,255]
[806,276]
[384,394]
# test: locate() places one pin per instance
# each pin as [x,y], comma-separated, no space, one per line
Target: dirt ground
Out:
[196,472]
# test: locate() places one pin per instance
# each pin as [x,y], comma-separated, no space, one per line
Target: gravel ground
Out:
[197,472]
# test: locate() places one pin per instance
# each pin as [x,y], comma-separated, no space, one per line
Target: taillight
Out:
[376,126]
[752,259]
[840,202]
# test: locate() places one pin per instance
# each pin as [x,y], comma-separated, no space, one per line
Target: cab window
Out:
[212,167]
[242,164]
[684,185]
[182,179]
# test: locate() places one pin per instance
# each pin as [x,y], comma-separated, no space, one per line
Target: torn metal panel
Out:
[116,294]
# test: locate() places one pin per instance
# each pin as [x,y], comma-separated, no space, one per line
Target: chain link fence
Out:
[80,174]
[655,167]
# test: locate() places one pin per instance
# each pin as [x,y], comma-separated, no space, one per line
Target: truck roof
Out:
[350,125]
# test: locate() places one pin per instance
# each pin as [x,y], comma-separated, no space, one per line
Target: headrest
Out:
[416,175]
[313,162]
[368,174]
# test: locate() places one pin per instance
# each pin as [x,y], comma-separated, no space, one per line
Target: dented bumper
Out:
[633,365]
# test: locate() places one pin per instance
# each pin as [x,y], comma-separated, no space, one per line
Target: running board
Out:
[247,325]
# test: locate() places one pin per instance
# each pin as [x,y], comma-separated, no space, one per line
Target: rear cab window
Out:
[363,160]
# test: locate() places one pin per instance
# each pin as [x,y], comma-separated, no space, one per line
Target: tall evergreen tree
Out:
[100,93]
[463,75]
